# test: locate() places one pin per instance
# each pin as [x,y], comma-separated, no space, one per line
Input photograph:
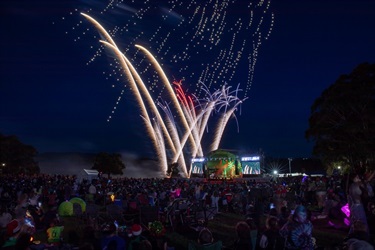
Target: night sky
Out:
[54,100]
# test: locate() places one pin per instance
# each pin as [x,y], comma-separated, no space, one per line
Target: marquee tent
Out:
[88,174]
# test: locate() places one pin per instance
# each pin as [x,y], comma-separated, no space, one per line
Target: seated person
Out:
[136,237]
[297,231]
[358,238]
[23,241]
[13,230]
[110,239]
[16,232]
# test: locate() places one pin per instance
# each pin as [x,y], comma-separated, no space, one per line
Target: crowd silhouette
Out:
[114,214]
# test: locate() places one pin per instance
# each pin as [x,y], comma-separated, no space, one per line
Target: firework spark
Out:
[208,41]
[192,116]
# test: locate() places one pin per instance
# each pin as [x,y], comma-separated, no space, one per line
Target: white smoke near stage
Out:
[74,163]
[139,167]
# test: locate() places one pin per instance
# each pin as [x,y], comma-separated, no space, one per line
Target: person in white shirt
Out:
[92,189]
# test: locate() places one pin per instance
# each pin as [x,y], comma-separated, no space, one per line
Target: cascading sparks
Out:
[182,133]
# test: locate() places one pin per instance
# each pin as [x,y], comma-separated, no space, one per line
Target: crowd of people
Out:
[29,206]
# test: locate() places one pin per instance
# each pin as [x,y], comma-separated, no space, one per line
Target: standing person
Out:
[197,189]
[311,188]
[52,198]
[283,216]
[297,232]
[215,200]
[243,241]
[271,238]
[253,231]
[357,210]
[321,192]
[91,192]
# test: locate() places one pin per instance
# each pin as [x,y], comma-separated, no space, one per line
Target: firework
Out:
[182,133]
[208,41]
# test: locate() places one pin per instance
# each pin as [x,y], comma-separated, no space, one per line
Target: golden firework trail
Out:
[193,124]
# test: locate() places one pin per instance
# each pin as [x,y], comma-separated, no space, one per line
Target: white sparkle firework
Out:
[212,41]
[191,121]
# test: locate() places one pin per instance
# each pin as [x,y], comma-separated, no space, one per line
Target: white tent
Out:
[88,174]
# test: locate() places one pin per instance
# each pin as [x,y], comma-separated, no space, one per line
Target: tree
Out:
[172,170]
[342,121]
[108,163]
[16,157]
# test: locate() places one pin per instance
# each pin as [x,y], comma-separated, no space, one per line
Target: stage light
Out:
[250,158]
[197,160]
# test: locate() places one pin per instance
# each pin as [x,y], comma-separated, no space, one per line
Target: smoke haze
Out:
[74,163]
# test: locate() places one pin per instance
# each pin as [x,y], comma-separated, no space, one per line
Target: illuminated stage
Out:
[225,165]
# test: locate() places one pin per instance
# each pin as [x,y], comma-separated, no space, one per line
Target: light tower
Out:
[290,165]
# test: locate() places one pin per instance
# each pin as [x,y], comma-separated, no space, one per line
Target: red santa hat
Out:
[13,227]
[136,229]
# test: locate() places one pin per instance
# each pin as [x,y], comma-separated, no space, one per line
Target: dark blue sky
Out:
[52,100]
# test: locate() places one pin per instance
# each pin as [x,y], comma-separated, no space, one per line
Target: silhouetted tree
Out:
[16,157]
[108,163]
[172,170]
[342,121]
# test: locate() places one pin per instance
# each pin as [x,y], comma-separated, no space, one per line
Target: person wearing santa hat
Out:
[136,237]
[13,230]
